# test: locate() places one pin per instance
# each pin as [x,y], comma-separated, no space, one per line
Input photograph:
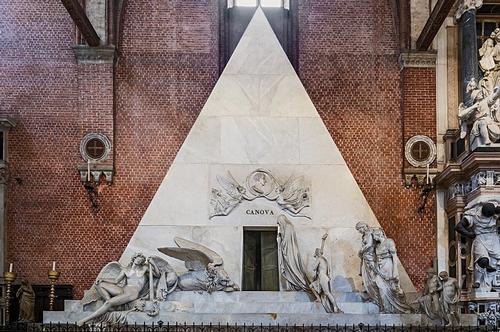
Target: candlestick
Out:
[10,267]
[53,276]
[53,266]
[9,277]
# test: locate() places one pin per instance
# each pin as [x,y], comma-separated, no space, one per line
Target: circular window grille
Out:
[420,151]
[95,147]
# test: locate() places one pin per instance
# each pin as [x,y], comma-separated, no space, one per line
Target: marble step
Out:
[247,296]
[264,307]
[205,306]
[249,319]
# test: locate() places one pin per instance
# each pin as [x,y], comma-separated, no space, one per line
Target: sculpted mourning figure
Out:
[26,296]
[440,298]
[485,129]
[367,256]
[391,297]
[321,280]
[430,302]
[479,223]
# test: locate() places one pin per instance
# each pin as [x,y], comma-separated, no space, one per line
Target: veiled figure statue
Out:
[291,265]
[26,296]
[367,256]
[119,285]
[391,297]
[205,268]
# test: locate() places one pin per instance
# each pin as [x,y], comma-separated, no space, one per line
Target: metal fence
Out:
[234,328]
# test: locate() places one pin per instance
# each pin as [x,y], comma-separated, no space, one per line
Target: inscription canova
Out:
[291,196]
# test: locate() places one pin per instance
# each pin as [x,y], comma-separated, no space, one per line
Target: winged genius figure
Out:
[205,267]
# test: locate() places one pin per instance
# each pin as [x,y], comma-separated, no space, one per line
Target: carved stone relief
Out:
[292,196]
[476,181]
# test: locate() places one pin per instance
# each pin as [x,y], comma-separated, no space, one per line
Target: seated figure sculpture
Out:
[479,223]
[485,129]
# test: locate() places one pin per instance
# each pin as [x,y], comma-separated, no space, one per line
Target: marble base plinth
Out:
[292,308]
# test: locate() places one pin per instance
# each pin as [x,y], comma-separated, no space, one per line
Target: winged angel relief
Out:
[291,196]
[120,290]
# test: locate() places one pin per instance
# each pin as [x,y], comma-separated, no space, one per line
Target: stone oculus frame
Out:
[259,116]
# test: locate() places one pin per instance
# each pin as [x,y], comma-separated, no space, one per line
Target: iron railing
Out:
[235,328]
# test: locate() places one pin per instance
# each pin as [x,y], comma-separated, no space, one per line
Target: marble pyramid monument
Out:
[259,116]
[258,151]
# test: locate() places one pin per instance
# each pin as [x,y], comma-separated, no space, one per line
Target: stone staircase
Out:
[292,308]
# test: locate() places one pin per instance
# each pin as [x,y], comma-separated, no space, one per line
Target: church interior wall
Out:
[167,66]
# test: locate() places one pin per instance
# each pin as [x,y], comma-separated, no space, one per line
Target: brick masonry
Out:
[167,67]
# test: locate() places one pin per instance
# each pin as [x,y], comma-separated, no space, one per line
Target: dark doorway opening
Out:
[260,260]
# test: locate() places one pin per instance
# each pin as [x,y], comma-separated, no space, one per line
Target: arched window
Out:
[236,14]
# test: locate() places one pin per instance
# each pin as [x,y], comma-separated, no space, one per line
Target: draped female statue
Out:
[391,297]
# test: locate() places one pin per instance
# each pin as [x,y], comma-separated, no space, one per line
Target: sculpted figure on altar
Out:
[480,224]
[482,115]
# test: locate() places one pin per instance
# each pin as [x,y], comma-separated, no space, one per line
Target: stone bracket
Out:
[94,55]
[418,60]
[96,171]
[418,176]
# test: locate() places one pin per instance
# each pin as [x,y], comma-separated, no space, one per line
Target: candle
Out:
[53,266]
[88,171]
[427,177]
[10,267]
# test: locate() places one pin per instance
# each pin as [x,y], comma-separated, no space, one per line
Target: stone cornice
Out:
[474,162]
[418,59]
[7,122]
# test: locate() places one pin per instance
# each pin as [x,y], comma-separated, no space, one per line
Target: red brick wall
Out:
[168,65]
[349,65]
[166,70]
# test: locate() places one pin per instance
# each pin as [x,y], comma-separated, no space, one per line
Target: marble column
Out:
[469,66]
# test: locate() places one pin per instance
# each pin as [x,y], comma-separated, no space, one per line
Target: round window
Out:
[95,147]
[420,151]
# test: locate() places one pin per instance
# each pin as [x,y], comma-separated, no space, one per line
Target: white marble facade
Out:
[259,116]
